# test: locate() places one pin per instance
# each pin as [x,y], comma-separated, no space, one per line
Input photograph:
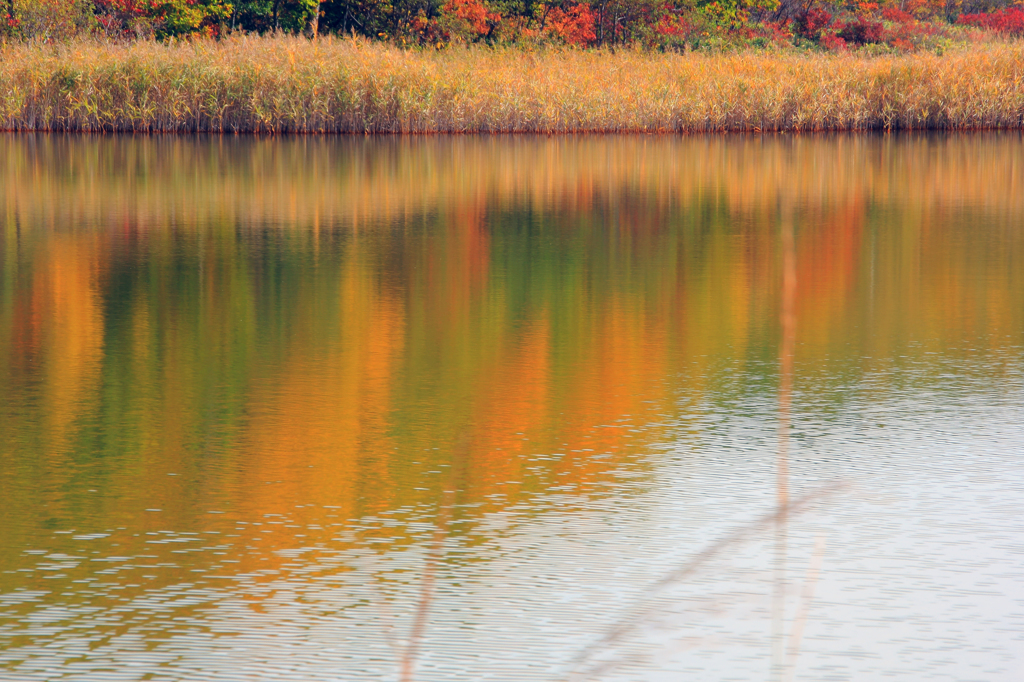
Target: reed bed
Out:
[291,85]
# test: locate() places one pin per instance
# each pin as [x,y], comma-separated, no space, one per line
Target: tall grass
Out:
[291,85]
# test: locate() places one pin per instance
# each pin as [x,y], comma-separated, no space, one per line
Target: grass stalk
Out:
[282,84]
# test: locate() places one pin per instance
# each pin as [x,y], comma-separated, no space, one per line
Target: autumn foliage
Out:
[830,25]
[1009,21]
[574,25]
[478,19]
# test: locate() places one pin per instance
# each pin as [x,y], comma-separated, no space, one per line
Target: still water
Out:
[511,408]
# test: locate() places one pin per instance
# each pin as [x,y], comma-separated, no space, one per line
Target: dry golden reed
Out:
[291,85]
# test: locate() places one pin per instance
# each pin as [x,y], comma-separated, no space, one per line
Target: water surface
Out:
[265,400]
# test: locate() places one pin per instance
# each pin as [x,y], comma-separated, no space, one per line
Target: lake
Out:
[512,408]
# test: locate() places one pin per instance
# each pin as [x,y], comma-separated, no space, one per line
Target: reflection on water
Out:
[240,375]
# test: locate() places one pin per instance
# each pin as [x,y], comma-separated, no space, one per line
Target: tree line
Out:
[585,23]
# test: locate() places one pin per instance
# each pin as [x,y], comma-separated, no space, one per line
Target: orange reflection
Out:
[306,349]
[66,329]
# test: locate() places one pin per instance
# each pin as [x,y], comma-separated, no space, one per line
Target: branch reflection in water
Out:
[266,390]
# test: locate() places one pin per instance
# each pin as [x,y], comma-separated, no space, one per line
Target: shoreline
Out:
[287,85]
[263,134]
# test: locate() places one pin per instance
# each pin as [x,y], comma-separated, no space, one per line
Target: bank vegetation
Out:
[288,84]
